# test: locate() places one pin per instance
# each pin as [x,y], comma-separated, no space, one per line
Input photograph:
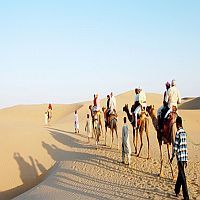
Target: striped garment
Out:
[180,145]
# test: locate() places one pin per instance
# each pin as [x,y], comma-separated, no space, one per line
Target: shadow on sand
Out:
[28,174]
[83,183]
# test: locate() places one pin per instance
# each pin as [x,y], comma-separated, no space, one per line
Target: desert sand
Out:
[40,162]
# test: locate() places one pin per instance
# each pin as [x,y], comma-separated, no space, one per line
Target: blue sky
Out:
[65,51]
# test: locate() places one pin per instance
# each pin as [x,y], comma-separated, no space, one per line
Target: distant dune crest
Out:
[193,104]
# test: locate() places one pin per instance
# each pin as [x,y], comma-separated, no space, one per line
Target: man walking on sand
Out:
[181,152]
[126,146]
[76,123]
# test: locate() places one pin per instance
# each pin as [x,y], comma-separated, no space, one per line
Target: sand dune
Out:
[193,104]
[72,169]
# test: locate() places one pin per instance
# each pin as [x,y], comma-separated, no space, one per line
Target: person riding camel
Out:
[142,104]
[96,106]
[172,98]
[136,101]
[163,109]
[113,104]
[107,107]
[49,111]
[50,106]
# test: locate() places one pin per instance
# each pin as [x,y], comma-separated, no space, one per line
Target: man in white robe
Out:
[113,104]
[76,122]
[126,146]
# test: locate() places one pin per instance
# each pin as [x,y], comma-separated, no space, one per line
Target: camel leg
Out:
[111,139]
[161,160]
[105,134]
[136,132]
[134,140]
[140,144]
[101,129]
[117,138]
[95,136]
[148,144]
[93,129]
[168,146]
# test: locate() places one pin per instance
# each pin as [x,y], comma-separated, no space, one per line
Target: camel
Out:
[97,129]
[112,124]
[143,125]
[168,135]
[92,113]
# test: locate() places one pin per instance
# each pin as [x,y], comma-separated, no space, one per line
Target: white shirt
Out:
[173,97]
[142,98]
[76,121]
[98,104]
[112,103]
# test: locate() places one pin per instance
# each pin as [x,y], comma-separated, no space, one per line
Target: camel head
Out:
[103,108]
[90,107]
[125,108]
[150,109]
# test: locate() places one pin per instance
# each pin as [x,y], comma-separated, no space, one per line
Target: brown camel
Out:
[168,135]
[92,113]
[112,124]
[143,125]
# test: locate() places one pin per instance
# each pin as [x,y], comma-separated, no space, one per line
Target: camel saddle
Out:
[110,118]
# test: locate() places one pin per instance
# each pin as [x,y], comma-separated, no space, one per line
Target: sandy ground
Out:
[62,165]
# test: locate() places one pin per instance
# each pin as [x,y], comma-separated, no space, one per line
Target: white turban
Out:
[173,82]
[139,88]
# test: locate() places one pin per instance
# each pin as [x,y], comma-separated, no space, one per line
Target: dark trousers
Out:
[181,181]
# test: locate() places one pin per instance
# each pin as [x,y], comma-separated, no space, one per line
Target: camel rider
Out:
[142,104]
[108,107]
[164,108]
[50,107]
[136,101]
[165,104]
[113,104]
[108,102]
[97,106]
[172,98]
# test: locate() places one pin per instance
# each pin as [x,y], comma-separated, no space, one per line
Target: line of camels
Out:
[167,137]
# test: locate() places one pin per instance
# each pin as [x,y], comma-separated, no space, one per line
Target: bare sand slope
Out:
[81,171]
[23,159]
[193,104]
